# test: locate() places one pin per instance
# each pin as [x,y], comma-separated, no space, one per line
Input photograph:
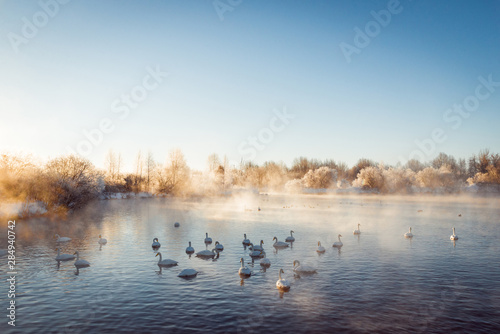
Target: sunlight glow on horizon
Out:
[226,79]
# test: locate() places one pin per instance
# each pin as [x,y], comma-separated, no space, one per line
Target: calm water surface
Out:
[379,281]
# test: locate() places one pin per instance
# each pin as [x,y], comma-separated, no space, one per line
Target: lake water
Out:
[379,281]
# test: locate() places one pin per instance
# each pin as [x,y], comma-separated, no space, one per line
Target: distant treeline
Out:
[69,182]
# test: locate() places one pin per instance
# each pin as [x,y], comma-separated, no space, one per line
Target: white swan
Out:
[257,247]
[279,244]
[189,249]
[206,253]
[290,238]
[155,244]
[207,239]
[102,241]
[265,262]
[408,234]
[358,231]
[218,246]
[61,239]
[304,269]
[245,241]
[80,263]
[188,273]
[256,253]
[63,257]
[166,262]
[454,236]
[282,283]
[320,249]
[338,243]
[244,271]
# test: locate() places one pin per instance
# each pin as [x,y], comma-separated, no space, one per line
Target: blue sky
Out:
[225,78]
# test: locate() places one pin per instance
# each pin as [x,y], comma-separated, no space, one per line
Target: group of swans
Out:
[79,263]
[277,244]
[452,237]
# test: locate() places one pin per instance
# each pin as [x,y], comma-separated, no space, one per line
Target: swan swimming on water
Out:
[290,238]
[454,236]
[102,241]
[304,269]
[282,283]
[61,239]
[257,247]
[244,271]
[207,239]
[408,234]
[320,249]
[207,254]
[245,241]
[358,231]
[189,249]
[155,244]
[218,246]
[256,253]
[80,263]
[166,262]
[279,244]
[265,262]
[188,273]
[63,257]
[338,243]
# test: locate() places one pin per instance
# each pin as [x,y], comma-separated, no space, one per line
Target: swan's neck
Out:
[244,236]
[58,251]
[160,257]
[453,231]
[291,233]
[190,244]
[77,256]
[279,275]
[206,234]
[261,242]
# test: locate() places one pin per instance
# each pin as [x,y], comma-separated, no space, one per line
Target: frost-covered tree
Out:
[323,177]
[369,178]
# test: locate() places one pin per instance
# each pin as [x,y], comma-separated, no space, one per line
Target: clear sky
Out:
[227,78]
